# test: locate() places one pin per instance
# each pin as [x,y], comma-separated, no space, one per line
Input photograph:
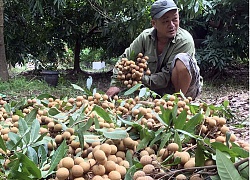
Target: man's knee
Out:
[180,67]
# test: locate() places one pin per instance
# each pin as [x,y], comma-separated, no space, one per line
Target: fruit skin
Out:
[185,156]
[62,173]
[146,160]
[67,162]
[77,171]
[99,155]
[138,174]
[85,166]
[149,168]
[181,177]
[189,164]
[114,175]
[173,147]
[98,169]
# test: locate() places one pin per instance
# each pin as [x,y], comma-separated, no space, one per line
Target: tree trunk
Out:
[77,56]
[3,63]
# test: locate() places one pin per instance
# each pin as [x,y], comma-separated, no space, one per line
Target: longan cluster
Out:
[130,72]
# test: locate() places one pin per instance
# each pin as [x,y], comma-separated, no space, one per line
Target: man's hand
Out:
[113,91]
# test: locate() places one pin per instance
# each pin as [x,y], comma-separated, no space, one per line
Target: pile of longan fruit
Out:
[130,72]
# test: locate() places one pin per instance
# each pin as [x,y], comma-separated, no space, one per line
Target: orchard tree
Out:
[3,64]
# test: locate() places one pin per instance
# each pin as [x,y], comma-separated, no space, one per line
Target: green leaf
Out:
[225,167]
[34,131]
[57,156]
[29,165]
[53,111]
[177,140]
[165,139]
[130,173]
[77,87]
[132,90]
[199,155]
[166,115]
[87,125]
[102,113]
[2,144]
[22,126]
[129,157]
[180,121]
[244,170]
[116,134]
[32,155]
[192,123]
[81,137]
[42,156]
[46,96]
[7,107]
[241,152]
[142,92]
[143,143]
[31,116]
[14,137]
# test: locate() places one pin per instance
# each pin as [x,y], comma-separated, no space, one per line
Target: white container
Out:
[98,65]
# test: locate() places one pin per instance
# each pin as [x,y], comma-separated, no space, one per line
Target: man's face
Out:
[167,25]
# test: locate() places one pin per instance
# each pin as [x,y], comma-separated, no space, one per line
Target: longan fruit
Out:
[145,178]
[110,166]
[67,162]
[122,170]
[98,169]
[106,148]
[78,160]
[97,177]
[66,135]
[189,164]
[143,153]
[173,147]
[15,118]
[99,155]
[224,129]
[85,166]
[71,130]
[221,121]
[233,138]
[212,122]
[124,163]
[129,143]
[181,177]
[77,171]
[149,168]
[58,138]
[113,149]
[114,175]
[221,139]
[185,156]
[138,174]
[112,157]
[196,177]
[120,154]
[58,127]
[209,162]
[62,173]
[146,160]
